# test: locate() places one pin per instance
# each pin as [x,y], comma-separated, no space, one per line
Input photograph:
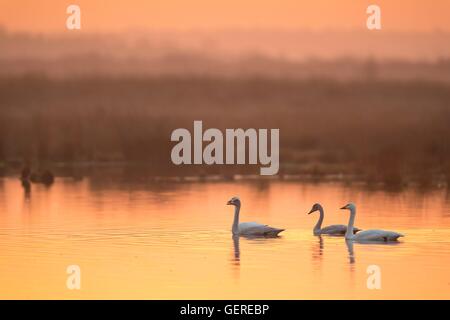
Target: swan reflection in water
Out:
[317,249]
[235,261]
[237,251]
[351,253]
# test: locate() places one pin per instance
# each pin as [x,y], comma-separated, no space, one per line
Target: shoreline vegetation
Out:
[156,182]
[146,173]
[388,132]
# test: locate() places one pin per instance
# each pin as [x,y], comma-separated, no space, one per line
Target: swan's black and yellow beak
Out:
[344,207]
[229,203]
[311,211]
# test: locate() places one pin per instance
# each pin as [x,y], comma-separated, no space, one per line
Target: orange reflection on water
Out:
[173,241]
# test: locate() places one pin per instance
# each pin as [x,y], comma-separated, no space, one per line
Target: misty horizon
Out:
[296,54]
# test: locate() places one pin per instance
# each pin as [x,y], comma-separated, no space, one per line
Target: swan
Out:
[249,228]
[335,229]
[367,235]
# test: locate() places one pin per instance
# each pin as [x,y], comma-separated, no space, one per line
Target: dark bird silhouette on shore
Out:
[44,177]
[25,174]
[26,187]
[25,178]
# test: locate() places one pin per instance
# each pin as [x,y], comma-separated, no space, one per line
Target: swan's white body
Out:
[376,235]
[250,228]
[254,228]
[334,229]
[367,235]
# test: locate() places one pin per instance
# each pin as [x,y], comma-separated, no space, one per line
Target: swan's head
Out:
[234,202]
[315,207]
[350,206]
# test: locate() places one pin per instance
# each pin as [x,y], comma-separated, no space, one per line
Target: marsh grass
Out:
[381,131]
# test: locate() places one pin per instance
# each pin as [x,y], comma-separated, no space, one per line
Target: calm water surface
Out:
[173,241]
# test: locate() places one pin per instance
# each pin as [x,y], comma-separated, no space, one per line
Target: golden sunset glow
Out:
[132,243]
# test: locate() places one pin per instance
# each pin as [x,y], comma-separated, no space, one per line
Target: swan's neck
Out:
[349,234]
[319,222]
[235,227]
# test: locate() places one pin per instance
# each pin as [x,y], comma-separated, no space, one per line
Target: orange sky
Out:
[117,15]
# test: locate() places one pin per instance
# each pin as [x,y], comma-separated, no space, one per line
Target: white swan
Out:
[367,235]
[249,228]
[335,229]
